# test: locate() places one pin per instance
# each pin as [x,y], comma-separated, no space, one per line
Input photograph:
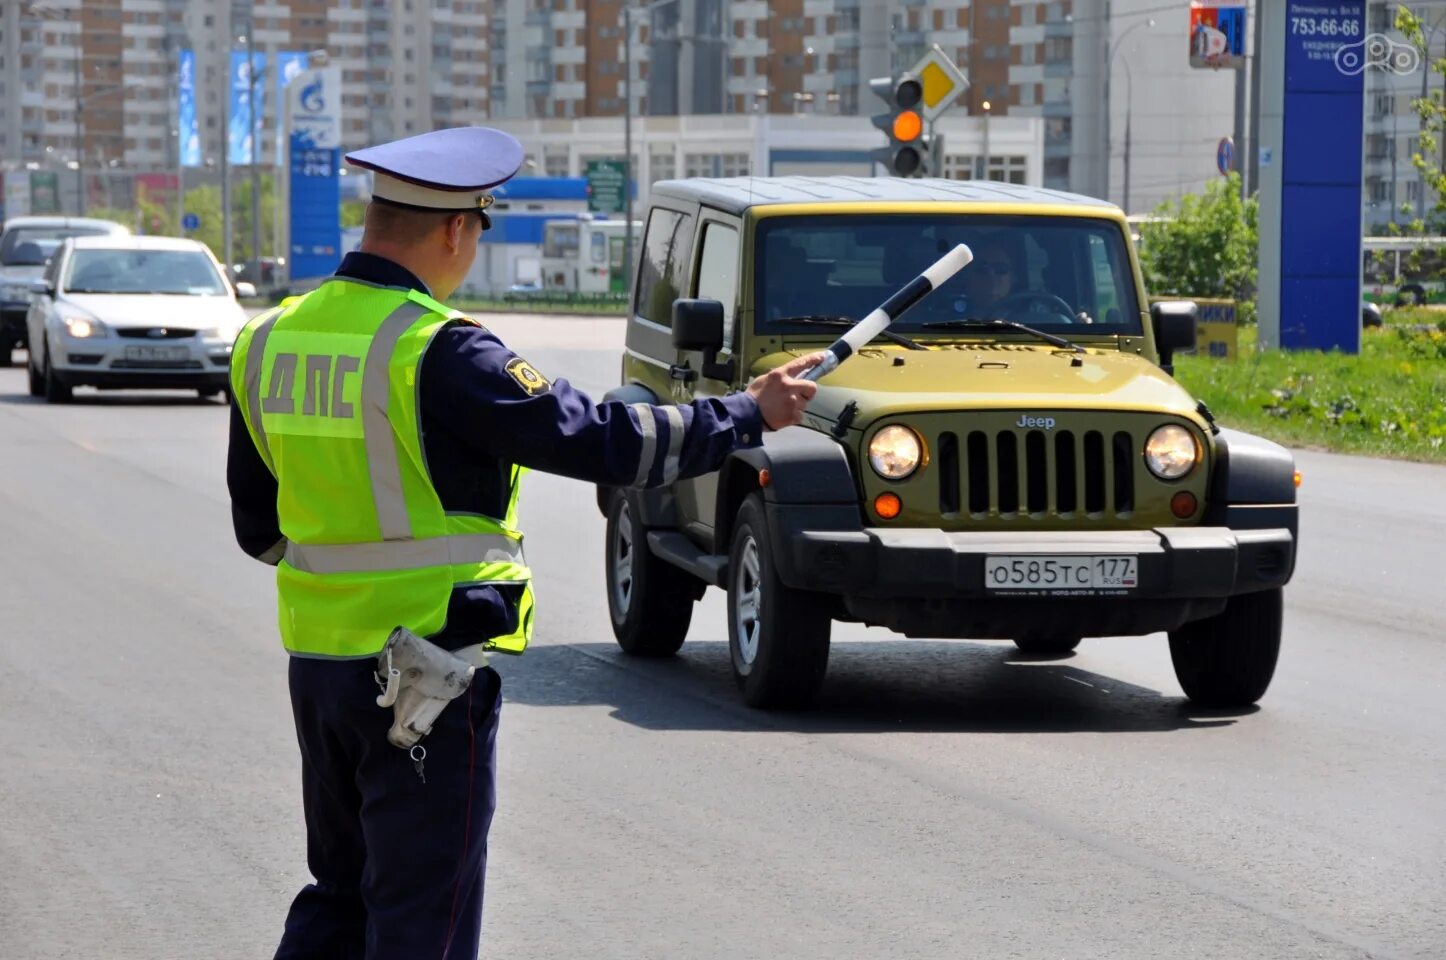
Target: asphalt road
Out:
[947,799]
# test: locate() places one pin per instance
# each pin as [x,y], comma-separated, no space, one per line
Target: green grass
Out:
[1388,401]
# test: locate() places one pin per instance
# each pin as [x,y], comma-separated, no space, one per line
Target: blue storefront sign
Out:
[314,177]
[1321,158]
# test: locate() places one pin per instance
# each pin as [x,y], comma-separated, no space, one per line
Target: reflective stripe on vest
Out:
[330,397]
[476,548]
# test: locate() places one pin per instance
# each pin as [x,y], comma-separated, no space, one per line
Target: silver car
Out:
[26,245]
[132,312]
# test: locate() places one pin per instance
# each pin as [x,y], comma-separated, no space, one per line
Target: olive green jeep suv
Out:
[1011,459]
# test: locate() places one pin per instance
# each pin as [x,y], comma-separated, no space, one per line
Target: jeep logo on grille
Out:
[1035,423]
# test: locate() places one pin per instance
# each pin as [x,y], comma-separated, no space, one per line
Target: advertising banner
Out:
[189,138]
[1217,34]
[239,131]
[313,127]
[290,64]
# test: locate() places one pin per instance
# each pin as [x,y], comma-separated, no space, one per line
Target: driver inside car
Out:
[989,279]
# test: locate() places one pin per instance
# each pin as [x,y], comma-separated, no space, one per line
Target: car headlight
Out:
[1171,452]
[895,452]
[227,334]
[83,328]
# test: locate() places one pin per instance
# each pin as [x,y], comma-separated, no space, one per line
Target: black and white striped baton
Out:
[891,310]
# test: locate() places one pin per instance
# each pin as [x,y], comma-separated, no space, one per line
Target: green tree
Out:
[1432,111]
[1205,245]
[353,213]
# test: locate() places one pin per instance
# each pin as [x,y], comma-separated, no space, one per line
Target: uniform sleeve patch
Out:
[527,377]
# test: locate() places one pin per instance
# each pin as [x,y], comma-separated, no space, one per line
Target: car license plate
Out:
[1057,573]
[155,354]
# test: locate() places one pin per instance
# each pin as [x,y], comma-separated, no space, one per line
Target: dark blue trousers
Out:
[399,863]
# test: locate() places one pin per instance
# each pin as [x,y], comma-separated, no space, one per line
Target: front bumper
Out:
[115,362]
[926,582]
[1179,562]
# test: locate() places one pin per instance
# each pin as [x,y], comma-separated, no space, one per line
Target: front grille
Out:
[1036,473]
[156,333]
[85,359]
[155,365]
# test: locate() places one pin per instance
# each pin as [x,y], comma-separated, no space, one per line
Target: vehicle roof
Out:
[134,243]
[92,222]
[737,194]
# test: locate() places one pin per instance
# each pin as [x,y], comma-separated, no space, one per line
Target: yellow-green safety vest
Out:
[327,384]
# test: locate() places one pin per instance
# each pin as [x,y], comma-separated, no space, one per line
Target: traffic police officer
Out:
[378,440]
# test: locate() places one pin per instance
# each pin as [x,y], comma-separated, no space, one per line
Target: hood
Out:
[121,310]
[990,376]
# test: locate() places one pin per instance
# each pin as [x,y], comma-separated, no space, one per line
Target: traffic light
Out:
[910,151]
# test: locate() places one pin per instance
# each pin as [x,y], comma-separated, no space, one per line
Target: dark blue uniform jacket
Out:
[478,416]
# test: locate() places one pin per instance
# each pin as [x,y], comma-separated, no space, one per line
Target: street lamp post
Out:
[1111,51]
[255,153]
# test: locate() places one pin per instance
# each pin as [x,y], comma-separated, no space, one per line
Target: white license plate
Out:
[1061,573]
[153,354]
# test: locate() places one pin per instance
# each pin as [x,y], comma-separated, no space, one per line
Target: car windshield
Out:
[18,243]
[1063,275]
[176,272]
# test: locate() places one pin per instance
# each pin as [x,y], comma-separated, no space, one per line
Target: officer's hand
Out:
[781,396]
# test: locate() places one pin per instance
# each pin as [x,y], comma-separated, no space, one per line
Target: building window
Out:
[958,166]
[662,166]
[735,165]
[1009,169]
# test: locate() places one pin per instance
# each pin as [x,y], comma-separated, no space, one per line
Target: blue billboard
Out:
[188,133]
[1321,159]
[290,64]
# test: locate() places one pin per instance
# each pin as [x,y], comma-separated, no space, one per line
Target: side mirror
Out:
[245,290]
[1174,325]
[698,325]
[41,288]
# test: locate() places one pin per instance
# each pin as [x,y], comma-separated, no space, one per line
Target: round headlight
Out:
[895,452]
[1171,452]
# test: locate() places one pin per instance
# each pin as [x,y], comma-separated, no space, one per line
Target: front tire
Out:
[35,381]
[55,391]
[1228,660]
[650,601]
[778,637]
[7,346]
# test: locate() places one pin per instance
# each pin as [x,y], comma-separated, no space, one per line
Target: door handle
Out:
[684,374]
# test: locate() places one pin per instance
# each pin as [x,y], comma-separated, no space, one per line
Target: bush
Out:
[1205,246]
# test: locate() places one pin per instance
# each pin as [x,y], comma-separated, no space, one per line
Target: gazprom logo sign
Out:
[313,101]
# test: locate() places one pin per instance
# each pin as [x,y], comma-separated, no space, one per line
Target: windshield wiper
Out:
[819,320]
[1004,325]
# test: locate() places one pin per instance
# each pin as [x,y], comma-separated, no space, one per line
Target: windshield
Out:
[178,272]
[17,246]
[1063,275]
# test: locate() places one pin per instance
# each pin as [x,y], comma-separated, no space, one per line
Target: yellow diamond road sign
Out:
[942,82]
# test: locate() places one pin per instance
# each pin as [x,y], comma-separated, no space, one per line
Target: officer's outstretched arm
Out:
[504,406]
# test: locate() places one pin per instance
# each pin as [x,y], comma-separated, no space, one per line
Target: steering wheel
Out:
[1016,302]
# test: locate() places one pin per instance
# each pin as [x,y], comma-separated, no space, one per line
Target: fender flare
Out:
[805,467]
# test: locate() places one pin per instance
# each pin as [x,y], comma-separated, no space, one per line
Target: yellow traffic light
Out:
[908,126]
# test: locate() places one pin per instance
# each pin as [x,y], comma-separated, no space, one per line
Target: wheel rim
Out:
[623,561]
[749,593]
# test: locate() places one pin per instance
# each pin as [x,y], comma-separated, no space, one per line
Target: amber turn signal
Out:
[888,505]
[1297,478]
[765,479]
[1183,504]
